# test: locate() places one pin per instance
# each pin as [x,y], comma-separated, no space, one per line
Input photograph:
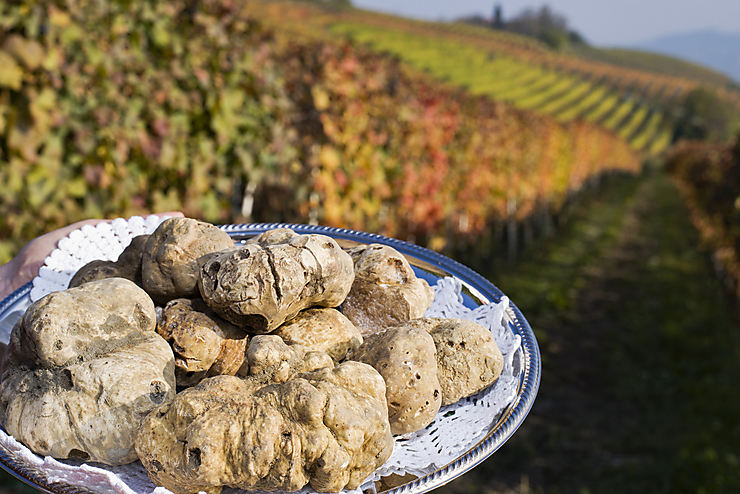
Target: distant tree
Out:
[703,115]
[475,20]
[543,23]
[546,25]
[535,23]
[554,38]
[498,17]
[576,38]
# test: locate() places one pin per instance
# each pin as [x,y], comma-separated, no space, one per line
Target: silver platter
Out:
[427,264]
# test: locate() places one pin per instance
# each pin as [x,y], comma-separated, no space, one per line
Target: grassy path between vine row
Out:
[641,356]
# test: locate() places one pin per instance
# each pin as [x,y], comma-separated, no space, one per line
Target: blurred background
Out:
[583,155]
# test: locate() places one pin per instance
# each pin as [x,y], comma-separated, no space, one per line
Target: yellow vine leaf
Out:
[11,75]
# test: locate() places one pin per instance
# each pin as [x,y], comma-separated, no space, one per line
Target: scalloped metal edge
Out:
[512,418]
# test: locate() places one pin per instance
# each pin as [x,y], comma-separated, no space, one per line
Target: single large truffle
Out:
[127,266]
[169,266]
[468,359]
[324,330]
[67,326]
[386,292]
[328,429]
[262,285]
[83,367]
[204,344]
[405,357]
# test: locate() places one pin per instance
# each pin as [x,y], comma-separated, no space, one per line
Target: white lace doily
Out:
[103,241]
[454,431]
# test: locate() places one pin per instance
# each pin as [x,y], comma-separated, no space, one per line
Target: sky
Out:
[602,22]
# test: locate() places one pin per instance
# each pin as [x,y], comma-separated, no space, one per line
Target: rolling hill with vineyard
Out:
[610,88]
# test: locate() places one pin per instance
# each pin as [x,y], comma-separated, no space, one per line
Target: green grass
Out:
[501,85]
[661,141]
[633,59]
[647,133]
[603,108]
[536,100]
[576,93]
[540,81]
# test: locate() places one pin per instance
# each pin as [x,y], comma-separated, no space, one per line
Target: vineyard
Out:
[654,62]
[629,99]
[521,83]
[445,134]
[623,79]
[215,114]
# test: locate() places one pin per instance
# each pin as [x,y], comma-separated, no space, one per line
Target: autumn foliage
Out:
[115,108]
[708,175]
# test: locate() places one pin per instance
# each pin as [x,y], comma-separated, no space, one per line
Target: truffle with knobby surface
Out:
[271,360]
[327,429]
[386,291]
[170,264]
[326,330]
[204,344]
[405,357]
[468,358]
[261,285]
[83,367]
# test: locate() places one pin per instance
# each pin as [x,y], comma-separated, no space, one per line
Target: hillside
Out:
[718,50]
[597,86]
[526,85]
[292,101]
[642,59]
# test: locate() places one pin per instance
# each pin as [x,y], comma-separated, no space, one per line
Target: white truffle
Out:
[83,367]
[386,291]
[468,359]
[327,429]
[262,285]
[405,357]
[324,330]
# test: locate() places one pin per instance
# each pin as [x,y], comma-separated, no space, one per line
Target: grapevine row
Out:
[708,175]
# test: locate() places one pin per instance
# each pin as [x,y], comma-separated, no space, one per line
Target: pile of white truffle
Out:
[245,373]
